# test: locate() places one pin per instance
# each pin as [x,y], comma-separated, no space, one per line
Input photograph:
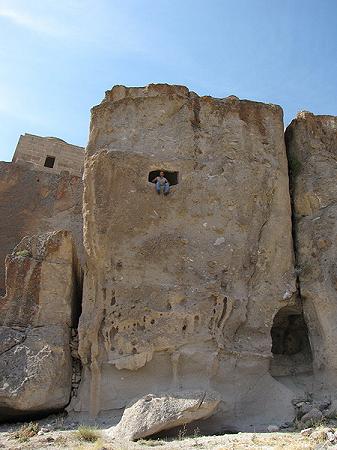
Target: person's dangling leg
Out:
[166,188]
[158,187]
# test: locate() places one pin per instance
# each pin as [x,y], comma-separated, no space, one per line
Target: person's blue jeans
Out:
[166,187]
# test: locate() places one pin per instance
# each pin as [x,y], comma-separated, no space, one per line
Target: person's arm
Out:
[155,180]
[166,181]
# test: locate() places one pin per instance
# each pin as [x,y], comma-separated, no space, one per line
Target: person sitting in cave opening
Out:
[162,183]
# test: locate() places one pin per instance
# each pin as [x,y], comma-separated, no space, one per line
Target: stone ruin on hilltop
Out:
[216,302]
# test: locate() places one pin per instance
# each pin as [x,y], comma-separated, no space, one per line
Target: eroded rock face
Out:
[36,316]
[312,150]
[34,202]
[163,411]
[180,291]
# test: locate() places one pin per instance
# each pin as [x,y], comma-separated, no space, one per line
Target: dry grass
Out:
[61,441]
[98,445]
[274,441]
[26,431]
[88,434]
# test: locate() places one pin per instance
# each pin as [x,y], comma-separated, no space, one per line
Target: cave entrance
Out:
[49,162]
[172,177]
[290,344]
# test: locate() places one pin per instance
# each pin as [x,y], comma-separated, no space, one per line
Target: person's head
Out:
[161,173]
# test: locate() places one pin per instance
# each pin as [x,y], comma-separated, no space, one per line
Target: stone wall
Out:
[61,155]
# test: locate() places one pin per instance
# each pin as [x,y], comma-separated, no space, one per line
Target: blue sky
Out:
[57,57]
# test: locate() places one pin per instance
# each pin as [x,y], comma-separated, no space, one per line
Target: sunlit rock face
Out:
[312,152]
[34,202]
[180,291]
[36,317]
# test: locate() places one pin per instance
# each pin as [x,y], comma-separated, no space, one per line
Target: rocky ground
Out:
[60,432]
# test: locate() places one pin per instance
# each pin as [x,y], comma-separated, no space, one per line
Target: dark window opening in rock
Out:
[49,162]
[172,177]
[290,344]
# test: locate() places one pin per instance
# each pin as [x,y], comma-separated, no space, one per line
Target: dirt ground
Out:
[58,432]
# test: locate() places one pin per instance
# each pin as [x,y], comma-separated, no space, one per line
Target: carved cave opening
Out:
[49,162]
[291,348]
[172,177]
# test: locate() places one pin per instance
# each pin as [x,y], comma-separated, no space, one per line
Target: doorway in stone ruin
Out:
[291,348]
[172,177]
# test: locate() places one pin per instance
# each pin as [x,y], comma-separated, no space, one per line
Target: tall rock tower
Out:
[180,291]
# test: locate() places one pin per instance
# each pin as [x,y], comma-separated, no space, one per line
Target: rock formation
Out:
[195,292]
[312,151]
[180,291]
[34,202]
[36,316]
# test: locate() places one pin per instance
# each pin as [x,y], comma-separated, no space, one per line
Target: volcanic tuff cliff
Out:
[201,291]
[34,201]
[180,292]
[312,151]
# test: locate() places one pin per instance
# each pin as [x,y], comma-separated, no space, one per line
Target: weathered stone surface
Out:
[35,371]
[42,273]
[312,417]
[34,202]
[180,291]
[273,428]
[163,411]
[36,316]
[312,151]
[331,411]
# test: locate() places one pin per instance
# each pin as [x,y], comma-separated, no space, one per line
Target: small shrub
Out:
[22,253]
[182,434]
[88,434]
[196,432]
[26,431]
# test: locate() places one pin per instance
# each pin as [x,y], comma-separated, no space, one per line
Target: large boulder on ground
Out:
[35,370]
[312,417]
[36,316]
[180,291]
[157,412]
